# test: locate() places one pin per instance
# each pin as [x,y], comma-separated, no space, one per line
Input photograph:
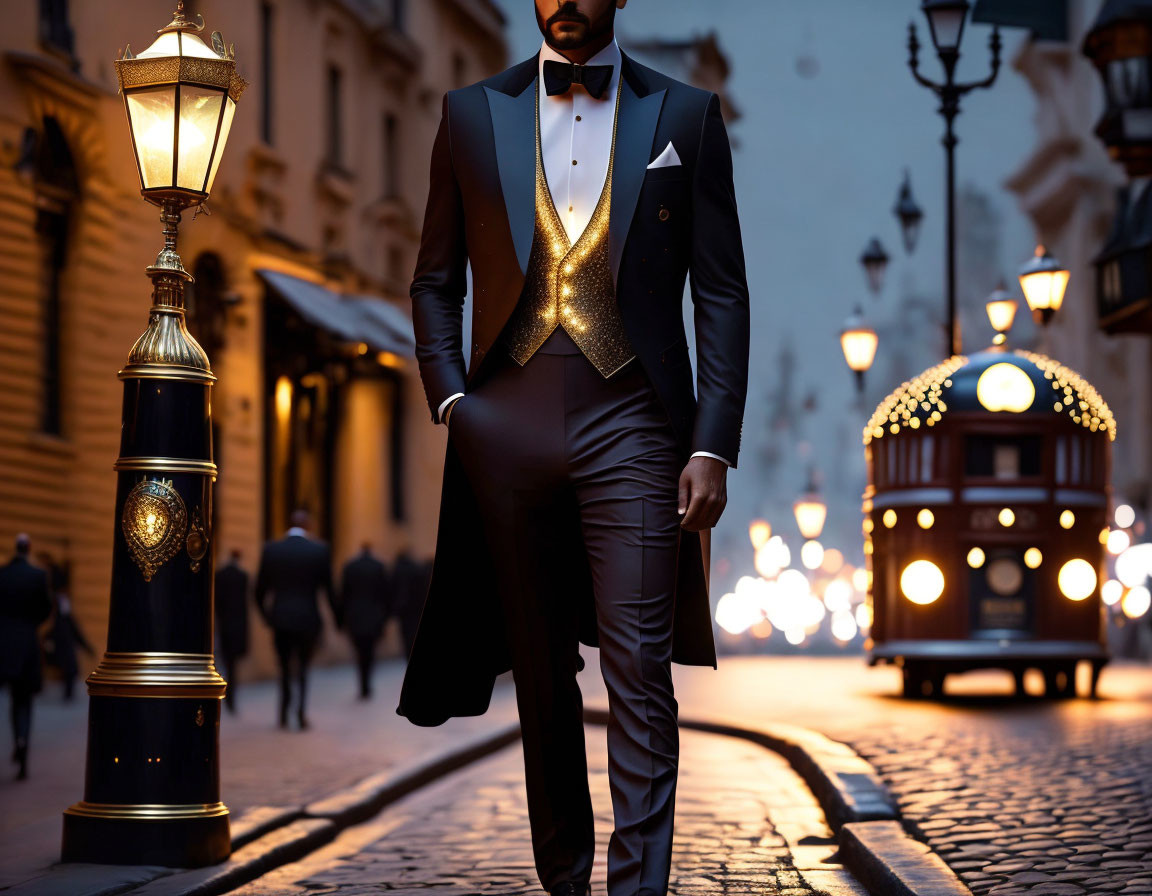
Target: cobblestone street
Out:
[738,806]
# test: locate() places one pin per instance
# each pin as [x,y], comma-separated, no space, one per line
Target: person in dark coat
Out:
[65,634]
[25,602]
[409,587]
[232,622]
[365,592]
[292,572]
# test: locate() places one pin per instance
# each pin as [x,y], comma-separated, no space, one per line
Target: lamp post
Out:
[1043,280]
[152,783]
[810,510]
[909,214]
[946,20]
[1001,308]
[859,342]
[874,260]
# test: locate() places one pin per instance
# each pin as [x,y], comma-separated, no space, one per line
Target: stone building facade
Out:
[1068,187]
[313,234]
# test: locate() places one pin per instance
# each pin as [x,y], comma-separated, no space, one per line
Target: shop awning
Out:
[356,318]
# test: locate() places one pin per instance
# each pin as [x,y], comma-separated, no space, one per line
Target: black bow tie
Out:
[560,76]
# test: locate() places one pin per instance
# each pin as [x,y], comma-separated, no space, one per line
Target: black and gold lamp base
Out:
[173,836]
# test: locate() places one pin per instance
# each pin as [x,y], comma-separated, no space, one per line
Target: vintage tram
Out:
[984,521]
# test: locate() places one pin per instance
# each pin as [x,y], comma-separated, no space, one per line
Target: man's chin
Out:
[568,36]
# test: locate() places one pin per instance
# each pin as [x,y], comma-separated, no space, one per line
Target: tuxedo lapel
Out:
[635,131]
[514,134]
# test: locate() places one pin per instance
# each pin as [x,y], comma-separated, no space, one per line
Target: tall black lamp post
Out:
[946,20]
[152,782]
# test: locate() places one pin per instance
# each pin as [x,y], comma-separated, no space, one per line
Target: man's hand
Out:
[703,493]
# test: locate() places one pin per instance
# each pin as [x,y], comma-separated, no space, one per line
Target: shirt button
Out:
[578,118]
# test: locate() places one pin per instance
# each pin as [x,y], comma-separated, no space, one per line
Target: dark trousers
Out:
[294,651]
[554,447]
[365,646]
[21,714]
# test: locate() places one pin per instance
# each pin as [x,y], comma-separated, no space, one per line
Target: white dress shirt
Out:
[575,143]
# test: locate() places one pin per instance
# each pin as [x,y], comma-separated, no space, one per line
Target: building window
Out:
[266,72]
[57,188]
[335,153]
[391,172]
[206,305]
[55,32]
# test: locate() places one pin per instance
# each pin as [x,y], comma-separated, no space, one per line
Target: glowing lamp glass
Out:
[1067,519]
[889,518]
[976,558]
[179,127]
[1005,387]
[759,532]
[922,582]
[1007,517]
[1044,281]
[1077,579]
[925,518]
[1001,314]
[810,514]
[858,341]
[1033,557]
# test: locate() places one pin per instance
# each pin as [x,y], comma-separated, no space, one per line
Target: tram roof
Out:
[996,382]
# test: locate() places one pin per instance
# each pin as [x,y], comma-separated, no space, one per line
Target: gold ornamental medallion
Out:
[197,541]
[153,523]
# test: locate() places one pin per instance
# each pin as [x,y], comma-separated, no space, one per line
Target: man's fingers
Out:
[685,493]
[704,510]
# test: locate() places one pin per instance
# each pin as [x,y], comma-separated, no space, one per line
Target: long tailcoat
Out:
[665,224]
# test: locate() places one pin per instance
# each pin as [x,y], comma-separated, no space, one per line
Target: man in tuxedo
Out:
[231,587]
[366,602]
[292,572]
[583,188]
[25,602]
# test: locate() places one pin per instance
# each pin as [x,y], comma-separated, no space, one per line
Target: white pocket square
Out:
[666,159]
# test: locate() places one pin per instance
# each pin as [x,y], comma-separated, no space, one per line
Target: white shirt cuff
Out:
[447,401]
[723,460]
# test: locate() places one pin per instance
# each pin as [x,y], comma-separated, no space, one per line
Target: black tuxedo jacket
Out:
[25,602]
[366,596]
[293,571]
[666,224]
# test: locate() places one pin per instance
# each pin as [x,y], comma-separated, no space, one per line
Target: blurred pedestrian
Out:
[409,585]
[65,634]
[292,572]
[365,592]
[231,623]
[25,602]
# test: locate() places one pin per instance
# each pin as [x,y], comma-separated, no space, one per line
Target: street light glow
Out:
[812,554]
[1136,602]
[1125,516]
[1067,519]
[1118,541]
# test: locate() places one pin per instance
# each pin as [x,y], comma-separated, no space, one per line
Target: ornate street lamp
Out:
[875,262]
[810,510]
[859,342]
[1043,280]
[946,22]
[1001,308]
[152,788]
[909,214]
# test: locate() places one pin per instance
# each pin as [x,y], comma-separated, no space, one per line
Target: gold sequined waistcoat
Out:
[570,285]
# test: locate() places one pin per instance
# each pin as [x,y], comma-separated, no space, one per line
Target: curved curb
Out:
[859,808]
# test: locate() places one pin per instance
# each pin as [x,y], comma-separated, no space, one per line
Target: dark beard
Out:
[587,31]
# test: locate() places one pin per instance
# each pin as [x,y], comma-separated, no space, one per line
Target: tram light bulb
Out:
[1077,579]
[922,581]
[1033,558]
[976,558]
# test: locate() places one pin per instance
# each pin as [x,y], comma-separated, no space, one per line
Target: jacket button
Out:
[664,214]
